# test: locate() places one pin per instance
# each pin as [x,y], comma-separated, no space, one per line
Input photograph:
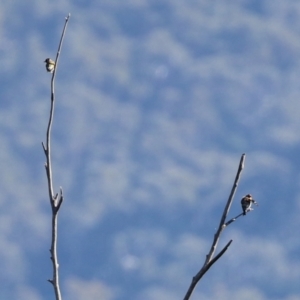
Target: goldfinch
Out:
[246,203]
[50,64]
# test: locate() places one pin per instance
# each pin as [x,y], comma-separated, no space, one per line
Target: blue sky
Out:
[156,102]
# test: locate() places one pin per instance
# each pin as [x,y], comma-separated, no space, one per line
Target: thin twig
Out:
[55,200]
[209,261]
[232,220]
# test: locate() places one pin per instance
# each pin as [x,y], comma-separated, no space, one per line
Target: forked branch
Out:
[57,199]
[210,259]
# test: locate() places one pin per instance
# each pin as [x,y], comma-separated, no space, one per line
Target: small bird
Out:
[50,64]
[246,203]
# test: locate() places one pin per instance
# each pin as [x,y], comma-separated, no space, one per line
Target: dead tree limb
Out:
[57,199]
[210,259]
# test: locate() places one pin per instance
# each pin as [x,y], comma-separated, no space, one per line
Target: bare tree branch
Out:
[233,219]
[55,200]
[209,261]
[205,268]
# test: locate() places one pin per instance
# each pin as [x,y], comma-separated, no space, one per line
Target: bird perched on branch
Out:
[50,64]
[246,202]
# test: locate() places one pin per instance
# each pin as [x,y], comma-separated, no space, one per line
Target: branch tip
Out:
[44,148]
[243,157]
